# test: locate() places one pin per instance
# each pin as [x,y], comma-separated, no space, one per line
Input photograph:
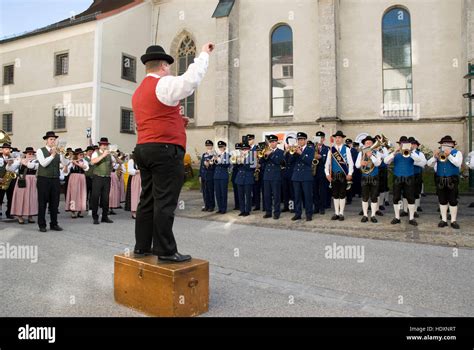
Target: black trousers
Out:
[9,193]
[100,193]
[89,189]
[383,179]
[49,190]
[418,184]
[287,192]
[370,188]
[404,186]
[447,190]
[162,173]
[320,189]
[339,185]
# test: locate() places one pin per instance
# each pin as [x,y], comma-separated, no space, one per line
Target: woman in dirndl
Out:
[76,197]
[115,194]
[25,194]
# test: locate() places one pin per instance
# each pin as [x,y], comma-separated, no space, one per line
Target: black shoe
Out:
[419,209]
[80,216]
[296,217]
[210,210]
[266,216]
[107,220]
[341,217]
[309,218]
[246,214]
[139,253]
[395,221]
[379,213]
[31,221]
[176,257]
[364,219]
[373,219]
[416,215]
[56,228]
[204,209]
[442,223]
[335,217]
[361,213]
[382,207]
[292,211]
[322,212]
[43,229]
[455,225]
[276,217]
[241,214]
[222,212]
[10,217]
[96,222]
[285,210]
[112,212]
[218,211]
[469,206]
[403,213]
[236,208]
[413,222]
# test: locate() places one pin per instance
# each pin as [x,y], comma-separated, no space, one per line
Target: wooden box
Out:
[161,288]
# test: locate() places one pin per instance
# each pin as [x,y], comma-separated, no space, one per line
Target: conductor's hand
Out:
[209,47]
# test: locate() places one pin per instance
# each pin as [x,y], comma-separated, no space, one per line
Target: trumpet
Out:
[263,147]
[406,153]
[292,149]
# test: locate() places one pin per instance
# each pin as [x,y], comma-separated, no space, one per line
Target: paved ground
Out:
[427,230]
[277,271]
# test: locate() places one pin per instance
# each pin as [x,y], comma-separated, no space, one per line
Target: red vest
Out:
[156,122]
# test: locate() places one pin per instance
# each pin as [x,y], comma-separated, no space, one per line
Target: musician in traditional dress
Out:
[339,168]
[89,173]
[447,161]
[76,198]
[25,195]
[404,159]
[116,189]
[11,164]
[368,161]
[419,166]
[245,179]
[221,177]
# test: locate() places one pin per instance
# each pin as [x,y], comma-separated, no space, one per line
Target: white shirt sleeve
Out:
[328,162]
[431,162]
[388,159]
[350,162]
[131,167]
[358,160]
[86,163]
[42,160]
[32,165]
[421,162]
[13,167]
[376,158]
[171,89]
[456,160]
[471,160]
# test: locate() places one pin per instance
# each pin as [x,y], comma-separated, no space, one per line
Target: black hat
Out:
[29,150]
[209,143]
[403,139]
[310,143]
[78,151]
[156,52]
[69,149]
[368,138]
[348,141]
[221,144]
[288,137]
[447,139]
[272,138]
[339,133]
[238,146]
[89,148]
[104,141]
[50,134]
[245,146]
[320,133]
[250,137]
[412,140]
[357,144]
[14,149]
[301,135]
[95,147]
[7,145]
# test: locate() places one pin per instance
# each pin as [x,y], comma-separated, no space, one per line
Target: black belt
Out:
[403,179]
[369,180]
[162,145]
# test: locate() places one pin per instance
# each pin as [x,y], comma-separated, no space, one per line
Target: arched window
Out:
[397,61]
[282,71]
[186,55]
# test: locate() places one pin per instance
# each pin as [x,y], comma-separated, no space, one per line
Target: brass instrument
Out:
[263,147]
[9,175]
[315,161]
[236,157]
[367,169]
[406,153]
[292,149]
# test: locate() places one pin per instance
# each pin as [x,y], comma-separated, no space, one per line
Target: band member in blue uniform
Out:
[272,178]
[245,179]
[447,163]
[206,176]
[320,183]
[368,161]
[302,177]
[404,159]
[339,168]
[287,184]
[383,178]
[221,177]
[235,170]
[257,186]
[356,176]
[419,166]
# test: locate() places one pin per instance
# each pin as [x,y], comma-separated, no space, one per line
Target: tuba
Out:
[367,169]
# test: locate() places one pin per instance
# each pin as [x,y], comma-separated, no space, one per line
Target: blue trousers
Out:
[245,198]
[208,192]
[303,192]
[221,188]
[272,195]
[320,192]
[236,194]
[257,192]
[287,192]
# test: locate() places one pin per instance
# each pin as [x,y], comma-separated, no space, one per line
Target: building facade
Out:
[363,66]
